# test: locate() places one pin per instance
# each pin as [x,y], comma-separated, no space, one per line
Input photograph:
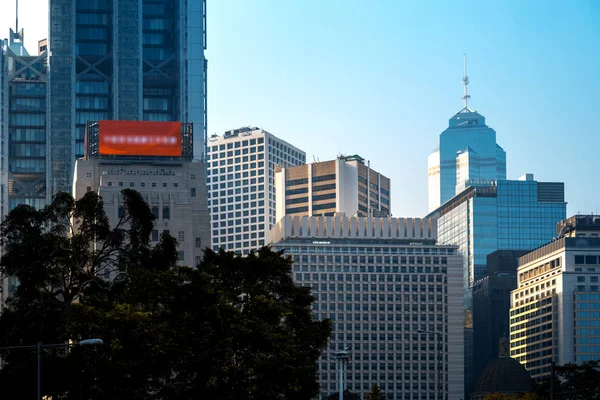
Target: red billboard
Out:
[137,138]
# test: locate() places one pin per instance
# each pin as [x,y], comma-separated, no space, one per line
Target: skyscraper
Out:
[127,60]
[393,295]
[498,215]
[555,309]
[344,185]
[23,131]
[467,150]
[241,185]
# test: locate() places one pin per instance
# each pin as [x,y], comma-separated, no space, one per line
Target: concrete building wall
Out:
[175,193]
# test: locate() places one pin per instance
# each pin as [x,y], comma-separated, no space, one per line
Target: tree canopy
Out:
[235,327]
[348,395]
[375,393]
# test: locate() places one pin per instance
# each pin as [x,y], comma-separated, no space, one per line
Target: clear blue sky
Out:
[382,78]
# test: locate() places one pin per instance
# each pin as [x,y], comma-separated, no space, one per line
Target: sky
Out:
[382,78]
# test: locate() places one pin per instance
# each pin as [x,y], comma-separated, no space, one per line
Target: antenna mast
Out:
[17,18]
[465,81]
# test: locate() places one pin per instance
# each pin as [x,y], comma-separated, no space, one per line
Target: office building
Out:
[555,310]
[491,306]
[344,185]
[381,280]
[241,188]
[134,155]
[500,215]
[467,150]
[23,132]
[122,60]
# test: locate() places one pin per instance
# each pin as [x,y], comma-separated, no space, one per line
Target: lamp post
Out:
[439,357]
[39,347]
[342,358]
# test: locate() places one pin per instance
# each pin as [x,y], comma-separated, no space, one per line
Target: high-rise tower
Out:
[127,60]
[467,151]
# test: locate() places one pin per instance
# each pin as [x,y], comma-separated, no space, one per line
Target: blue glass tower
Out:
[467,151]
[127,60]
[499,215]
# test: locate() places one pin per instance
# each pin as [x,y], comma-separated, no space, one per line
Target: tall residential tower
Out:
[126,60]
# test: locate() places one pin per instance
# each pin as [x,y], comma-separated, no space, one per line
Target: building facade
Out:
[345,185]
[23,132]
[491,306]
[241,185]
[555,310]
[122,60]
[500,215]
[173,187]
[381,281]
[467,150]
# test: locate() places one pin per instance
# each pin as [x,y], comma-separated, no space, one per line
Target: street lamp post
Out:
[439,357]
[342,357]
[39,347]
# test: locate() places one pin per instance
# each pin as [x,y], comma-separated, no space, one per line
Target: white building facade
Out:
[555,310]
[241,187]
[380,281]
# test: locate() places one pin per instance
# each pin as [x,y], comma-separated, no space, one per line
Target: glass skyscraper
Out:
[123,59]
[498,215]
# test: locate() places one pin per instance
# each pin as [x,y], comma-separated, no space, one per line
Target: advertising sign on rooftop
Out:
[137,138]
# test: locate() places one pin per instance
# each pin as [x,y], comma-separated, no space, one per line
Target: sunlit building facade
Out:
[501,215]
[241,185]
[381,280]
[555,310]
[467,150]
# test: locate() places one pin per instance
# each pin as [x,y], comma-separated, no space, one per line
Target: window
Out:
[579,259]
[155,212]
[198,242]
[164,184]
[181,255]
[166,213]
[109,183]
[193,192]
[153,184]
[120,183]
[121,211]
[89,188]
[181,236]
[193,176]
[155,235]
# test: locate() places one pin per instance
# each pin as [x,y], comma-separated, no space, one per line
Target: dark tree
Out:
[233,328]
[348,395]
[573,382]
[375,393]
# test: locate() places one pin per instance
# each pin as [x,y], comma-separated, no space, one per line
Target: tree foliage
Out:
[348,395]
[375,393]
[574,382]
[232,328]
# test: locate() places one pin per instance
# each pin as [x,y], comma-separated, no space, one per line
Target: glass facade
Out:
[378,293]
[23,108]
[129,60]
[479,157]
[501,215]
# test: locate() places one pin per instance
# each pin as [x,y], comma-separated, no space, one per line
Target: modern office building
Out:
[122,60]
[344,185]
[491,306]
[467,150]
[382,281]
[23,131]
[499,215]
[241,185]
[173,185]
[555,310]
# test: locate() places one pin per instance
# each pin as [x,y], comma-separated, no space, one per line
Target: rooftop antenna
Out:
[465,81]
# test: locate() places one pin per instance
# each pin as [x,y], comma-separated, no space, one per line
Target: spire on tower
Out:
[17,17]
[465,81]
